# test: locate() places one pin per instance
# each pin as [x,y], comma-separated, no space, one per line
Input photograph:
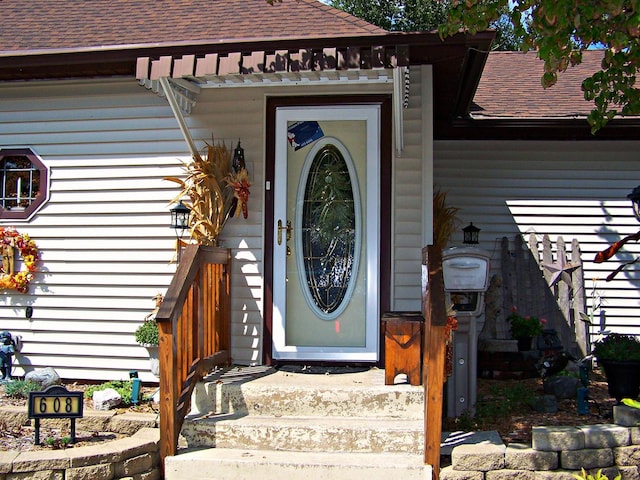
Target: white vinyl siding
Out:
[569,189]
[409,200]
[104,235]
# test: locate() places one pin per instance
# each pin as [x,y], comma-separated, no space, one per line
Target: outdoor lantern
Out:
[634,196]
[180,218]
[238,158]
[470,234]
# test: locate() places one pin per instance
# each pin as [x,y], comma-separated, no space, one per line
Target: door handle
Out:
[281,228]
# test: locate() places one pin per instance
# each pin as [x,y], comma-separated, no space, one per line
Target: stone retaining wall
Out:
[135,457]
[556,453]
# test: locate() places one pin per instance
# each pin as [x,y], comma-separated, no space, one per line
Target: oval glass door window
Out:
[328,216]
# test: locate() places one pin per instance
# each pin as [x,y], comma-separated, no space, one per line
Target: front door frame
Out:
[386,149]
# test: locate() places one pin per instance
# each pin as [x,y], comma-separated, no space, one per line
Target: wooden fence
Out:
[541,281]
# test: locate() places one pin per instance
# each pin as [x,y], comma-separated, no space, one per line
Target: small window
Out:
[23,184]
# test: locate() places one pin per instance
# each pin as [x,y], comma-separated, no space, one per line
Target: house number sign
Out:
[55,402]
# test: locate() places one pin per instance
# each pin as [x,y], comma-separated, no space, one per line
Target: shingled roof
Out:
[37,25]
[510,87]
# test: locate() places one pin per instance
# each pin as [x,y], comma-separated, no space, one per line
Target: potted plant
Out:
[147,335]
[524,328]
[619,356]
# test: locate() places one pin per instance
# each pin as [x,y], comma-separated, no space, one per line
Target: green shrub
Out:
[147,333]
[20,388]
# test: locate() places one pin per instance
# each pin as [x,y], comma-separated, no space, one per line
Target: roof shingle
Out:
[510,87]
[75,24]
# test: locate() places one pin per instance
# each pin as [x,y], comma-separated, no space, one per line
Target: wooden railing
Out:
[433,353]
[194,328]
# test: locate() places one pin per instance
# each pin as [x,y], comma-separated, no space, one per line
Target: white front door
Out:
[326,239]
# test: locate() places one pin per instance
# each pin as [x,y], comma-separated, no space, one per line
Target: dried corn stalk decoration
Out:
[215,190]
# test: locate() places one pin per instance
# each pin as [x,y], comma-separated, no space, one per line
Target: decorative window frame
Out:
[43,196]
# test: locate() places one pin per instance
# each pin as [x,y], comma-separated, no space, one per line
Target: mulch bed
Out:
[22,438]
[516,426]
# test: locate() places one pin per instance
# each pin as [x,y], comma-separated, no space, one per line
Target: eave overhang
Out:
[537,129]
[457,61]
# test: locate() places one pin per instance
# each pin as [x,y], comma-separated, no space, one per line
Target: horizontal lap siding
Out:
[569,189]
[104,235]
[104,238]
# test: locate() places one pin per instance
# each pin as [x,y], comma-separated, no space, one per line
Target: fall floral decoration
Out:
[452,326]
[10,241]
[216,191]
[240,183]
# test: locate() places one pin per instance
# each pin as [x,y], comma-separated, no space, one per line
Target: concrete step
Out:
[311,434]
[266,391]
[239,464]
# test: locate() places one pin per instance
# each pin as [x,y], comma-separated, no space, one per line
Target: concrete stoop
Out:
[238,464]
[263,423]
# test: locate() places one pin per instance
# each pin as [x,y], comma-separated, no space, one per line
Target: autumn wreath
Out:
[10,240]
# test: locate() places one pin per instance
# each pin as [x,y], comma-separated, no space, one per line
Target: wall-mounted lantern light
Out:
[180,218]
[470,233]
[634,196]
[238,158]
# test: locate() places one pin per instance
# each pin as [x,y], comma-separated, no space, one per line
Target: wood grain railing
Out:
[433,354]
[194,328]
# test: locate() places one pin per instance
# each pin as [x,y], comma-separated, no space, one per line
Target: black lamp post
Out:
[634,196]
[470,233]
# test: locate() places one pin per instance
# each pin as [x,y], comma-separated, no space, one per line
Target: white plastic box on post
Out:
[466,279]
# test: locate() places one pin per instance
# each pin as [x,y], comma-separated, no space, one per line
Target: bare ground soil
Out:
[499,408]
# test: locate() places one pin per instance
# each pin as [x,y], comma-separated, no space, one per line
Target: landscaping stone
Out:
[448,473]
[557,475]
[626,416]
[45,377]
[544,404]
[480,457]
[556,439]
[629,473]
[106,399]
[627,455]
[510,475]
[587,458]
[562,387]
[523,457]
[605,435]
[104,471]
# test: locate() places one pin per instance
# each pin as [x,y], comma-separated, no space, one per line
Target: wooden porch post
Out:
[435,316]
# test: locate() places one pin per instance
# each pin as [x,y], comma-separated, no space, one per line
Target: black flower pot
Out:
[623,378]
[524,343]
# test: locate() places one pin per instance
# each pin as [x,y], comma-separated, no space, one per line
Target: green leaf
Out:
[631,403]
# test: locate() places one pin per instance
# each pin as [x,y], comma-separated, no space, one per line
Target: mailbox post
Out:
[466,279]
